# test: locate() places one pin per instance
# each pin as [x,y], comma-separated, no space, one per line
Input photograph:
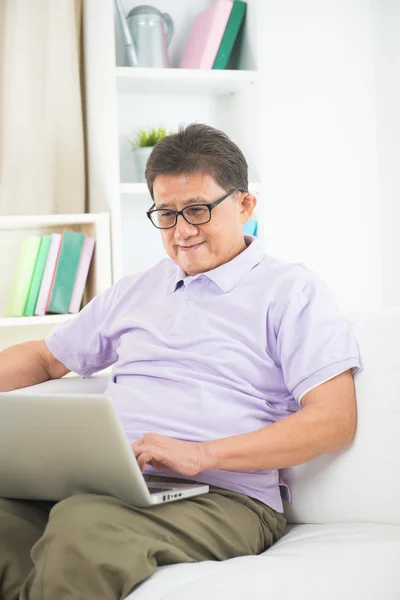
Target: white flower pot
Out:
[140,156]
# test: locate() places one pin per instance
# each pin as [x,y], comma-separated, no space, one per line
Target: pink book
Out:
[81,274]
[205,36]
[54,274]
[48,274]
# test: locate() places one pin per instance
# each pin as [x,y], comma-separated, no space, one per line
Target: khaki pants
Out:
[92,547]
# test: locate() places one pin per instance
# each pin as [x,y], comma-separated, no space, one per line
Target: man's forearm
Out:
[304,435]
[21,365]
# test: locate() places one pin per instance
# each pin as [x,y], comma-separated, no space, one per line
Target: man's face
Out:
[200,248]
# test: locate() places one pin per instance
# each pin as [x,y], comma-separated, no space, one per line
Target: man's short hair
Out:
[199,148]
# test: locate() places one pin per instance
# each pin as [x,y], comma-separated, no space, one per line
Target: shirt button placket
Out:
[186,313]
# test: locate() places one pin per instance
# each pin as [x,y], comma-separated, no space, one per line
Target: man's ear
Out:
[247,205]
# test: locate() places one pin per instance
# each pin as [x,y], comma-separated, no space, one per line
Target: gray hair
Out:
[198,148]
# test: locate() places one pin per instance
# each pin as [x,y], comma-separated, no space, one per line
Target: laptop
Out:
[53,446]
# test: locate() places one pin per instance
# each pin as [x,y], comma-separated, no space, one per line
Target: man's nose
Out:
[183,229]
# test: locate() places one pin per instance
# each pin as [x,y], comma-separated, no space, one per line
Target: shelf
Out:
[27,221]
[13,230]
[25,321]
[141,188]
[138,80]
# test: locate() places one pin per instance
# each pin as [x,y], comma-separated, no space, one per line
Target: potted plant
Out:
[142,146]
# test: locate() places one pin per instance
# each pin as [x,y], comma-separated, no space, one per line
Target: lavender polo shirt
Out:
[210,356]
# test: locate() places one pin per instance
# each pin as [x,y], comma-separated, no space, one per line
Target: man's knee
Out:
[75,514]
[71,518]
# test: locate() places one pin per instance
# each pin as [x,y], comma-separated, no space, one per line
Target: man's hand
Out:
[167,454]
[326,423]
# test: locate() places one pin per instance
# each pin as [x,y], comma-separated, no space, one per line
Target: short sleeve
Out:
[85,344]
[314,341]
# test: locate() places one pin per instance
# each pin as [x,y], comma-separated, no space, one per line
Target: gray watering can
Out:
[151,32]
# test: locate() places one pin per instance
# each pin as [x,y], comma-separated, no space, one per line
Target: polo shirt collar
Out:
[228,275]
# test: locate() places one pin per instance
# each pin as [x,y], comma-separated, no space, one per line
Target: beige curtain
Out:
[42,153]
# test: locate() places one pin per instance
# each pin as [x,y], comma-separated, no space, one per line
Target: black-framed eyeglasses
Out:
[195,214]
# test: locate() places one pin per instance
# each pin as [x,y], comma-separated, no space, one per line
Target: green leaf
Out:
[148,137]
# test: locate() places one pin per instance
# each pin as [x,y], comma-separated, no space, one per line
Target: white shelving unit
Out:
[13,229]
[182,81]
[28,321]
[121,99]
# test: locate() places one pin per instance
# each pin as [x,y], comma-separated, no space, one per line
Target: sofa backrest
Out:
[361,483]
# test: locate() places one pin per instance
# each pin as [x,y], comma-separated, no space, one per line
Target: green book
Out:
[23,276]
[67,266]
[230,34]
[37,276]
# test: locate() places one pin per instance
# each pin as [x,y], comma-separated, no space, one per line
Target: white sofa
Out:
[343,537]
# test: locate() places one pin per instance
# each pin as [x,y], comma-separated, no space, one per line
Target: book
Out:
[205,36]
[67,267]
[23,276]
[37,276]
[235,21]
[81,274]
[48,273]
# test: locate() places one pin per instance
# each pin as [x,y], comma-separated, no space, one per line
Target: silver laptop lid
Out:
[56,445]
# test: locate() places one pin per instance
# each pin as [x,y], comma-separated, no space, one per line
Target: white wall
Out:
[387,40]
[330,97]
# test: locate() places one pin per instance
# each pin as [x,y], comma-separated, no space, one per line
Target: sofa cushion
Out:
[361,483]
[309,562]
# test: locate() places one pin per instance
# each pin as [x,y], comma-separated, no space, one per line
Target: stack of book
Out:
[213,35]
[51,274]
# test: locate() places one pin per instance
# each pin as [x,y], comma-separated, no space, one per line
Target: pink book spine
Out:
[51,263]
[205,36]
[81,274]
[54,273]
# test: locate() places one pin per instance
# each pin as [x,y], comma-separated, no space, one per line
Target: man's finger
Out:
[137,451]
[143,459]
[138,442]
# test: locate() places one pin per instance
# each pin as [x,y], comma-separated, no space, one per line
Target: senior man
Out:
[228,365]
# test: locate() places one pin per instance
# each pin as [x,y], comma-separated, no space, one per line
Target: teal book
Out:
[67,267]
[231,33]
[23,276]
[37,276]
